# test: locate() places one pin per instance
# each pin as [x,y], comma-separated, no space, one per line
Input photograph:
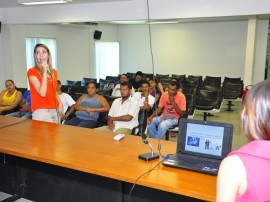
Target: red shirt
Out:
[164,101]
[49,101]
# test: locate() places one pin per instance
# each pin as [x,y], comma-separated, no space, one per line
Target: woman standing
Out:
[88,108]
[46,105]
[9,98]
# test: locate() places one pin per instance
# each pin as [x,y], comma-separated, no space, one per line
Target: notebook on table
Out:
[201,145]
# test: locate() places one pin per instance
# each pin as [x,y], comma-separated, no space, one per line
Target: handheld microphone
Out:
[48,69]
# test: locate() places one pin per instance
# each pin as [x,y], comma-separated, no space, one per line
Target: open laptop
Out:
[201,145]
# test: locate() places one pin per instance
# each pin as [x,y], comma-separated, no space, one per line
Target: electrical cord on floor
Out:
[141,177]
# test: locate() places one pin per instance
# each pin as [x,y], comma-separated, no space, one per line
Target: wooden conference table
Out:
[95,152]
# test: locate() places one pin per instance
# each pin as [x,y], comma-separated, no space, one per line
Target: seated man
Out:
[123,115]
[145,100]
[173,104]
[137,81]
[116,91]
[66,100]
[25,110]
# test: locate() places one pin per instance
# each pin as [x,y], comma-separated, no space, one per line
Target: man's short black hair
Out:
[174,83]
[126,83]
[145,82]
[139,73]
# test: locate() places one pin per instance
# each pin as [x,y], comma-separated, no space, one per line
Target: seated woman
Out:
[88,108]
[244,174]
[9,98]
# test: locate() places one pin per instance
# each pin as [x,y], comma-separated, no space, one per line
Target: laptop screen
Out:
[201,138]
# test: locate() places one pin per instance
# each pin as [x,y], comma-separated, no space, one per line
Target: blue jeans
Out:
[160,125]
[26,114]
[81,123]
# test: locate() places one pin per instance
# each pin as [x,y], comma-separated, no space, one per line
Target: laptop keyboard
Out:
[196,161]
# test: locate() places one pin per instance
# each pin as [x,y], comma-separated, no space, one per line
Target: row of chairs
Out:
[208,94]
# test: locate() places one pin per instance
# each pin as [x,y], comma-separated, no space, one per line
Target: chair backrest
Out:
[208,95]
[162,75]
[77,91]
[193,89]
[22,90]
[110,99]
[198,78]
[191,81]
[103,83]
[73,83]
[165,80]
[130,75]
[233,90]
[190,102]
[65,89]
[232,80]
[104,92]
[179,77]
[85,80]
[115,79]
[148,75]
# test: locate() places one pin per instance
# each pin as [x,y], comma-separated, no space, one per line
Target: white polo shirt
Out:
[138,96]
[129,107]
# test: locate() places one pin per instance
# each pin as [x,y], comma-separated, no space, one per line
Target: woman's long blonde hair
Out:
[49,58]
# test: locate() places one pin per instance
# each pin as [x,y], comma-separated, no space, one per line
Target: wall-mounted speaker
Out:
[97,35]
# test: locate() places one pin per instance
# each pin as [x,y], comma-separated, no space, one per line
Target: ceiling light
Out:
[163,21]
[40,2]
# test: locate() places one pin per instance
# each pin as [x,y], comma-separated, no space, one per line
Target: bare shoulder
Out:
[232,163]
[18,93]
[231,179]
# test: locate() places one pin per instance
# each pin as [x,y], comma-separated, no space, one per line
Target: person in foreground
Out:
[173,104]
[88,108]
[123,115]
[9,98]
[45,102]
[244,174]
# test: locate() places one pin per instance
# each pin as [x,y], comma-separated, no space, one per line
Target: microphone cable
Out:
[153,69]
[54,96]
[159,151]
[133,186]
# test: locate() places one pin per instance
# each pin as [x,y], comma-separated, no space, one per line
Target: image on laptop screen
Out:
[204,139]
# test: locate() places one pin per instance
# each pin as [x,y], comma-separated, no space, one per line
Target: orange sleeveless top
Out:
[49,101]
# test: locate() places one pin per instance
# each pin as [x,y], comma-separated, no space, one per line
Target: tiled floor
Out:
[233,117]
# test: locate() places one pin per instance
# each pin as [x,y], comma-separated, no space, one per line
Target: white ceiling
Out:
[14,3]
[133,11]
